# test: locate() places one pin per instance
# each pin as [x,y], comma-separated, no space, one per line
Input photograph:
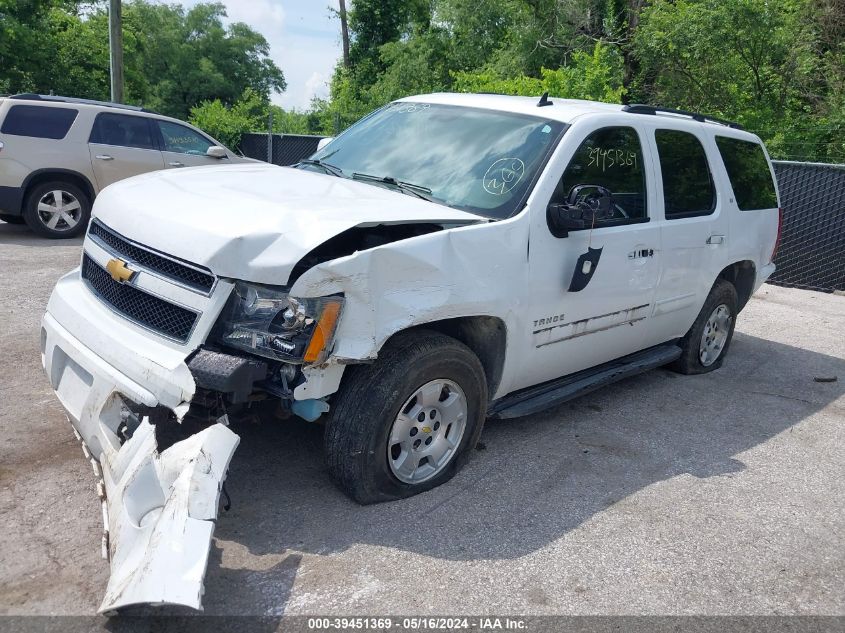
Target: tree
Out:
[173,59]
[191,57]
[595,76]
[768,65]
[228,123]
[374,23]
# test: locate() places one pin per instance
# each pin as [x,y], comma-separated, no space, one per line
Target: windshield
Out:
[481,161]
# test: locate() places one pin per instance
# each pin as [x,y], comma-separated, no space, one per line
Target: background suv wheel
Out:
[57,209]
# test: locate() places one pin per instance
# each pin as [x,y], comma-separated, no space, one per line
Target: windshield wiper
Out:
[327,167]
[405,187]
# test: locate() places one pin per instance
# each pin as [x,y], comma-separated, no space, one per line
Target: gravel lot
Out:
[664,494]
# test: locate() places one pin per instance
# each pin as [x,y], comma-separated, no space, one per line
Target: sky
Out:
[304,38]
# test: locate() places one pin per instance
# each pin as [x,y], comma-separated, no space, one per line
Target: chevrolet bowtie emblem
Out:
[119,271]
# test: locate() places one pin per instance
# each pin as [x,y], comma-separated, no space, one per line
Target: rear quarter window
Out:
[38,121]
[749,173]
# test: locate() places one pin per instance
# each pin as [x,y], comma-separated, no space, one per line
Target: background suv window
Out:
[122,130]
[182,140]
[38,121]
[687,182]
[748,171]
[612,158]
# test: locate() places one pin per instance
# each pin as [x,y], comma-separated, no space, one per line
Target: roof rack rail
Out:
[31,96]
[639,108]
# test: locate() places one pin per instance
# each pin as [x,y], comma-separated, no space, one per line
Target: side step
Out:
[549,394]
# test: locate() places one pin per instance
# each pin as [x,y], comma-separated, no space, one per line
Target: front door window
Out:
[609,161]
[183,140]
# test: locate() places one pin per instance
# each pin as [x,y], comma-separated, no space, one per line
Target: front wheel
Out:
[704,347]
[406,423]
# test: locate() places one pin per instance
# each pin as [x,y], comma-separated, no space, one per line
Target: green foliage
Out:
[596,76]
[194,57]
[292,122]
[173,58]
[754,61]
[777,67]
[249,114]
[228,123]
[375,23]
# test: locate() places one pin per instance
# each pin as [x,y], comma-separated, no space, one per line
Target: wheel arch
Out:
[742,275]
[47,174]
[485,336]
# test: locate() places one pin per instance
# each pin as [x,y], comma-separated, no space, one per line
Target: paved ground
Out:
[665,494]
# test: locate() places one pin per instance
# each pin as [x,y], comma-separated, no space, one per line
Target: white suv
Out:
[447,259]
[57,153]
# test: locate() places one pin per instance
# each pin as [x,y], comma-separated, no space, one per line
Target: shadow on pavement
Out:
[22,235]
[537,478]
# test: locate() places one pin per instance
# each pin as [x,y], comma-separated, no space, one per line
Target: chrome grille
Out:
[145,309]
[165,266]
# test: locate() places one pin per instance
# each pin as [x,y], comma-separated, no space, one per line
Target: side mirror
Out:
[562,219]
[584,205]
[324,141]
[215,151]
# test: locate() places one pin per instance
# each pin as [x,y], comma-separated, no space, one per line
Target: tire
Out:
[70,219]
[11,219]
[693,359]
[371,397]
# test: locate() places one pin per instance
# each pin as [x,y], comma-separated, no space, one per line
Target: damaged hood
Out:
[254,221]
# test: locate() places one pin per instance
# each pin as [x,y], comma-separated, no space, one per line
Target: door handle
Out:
[104,157]
[176,163]
[716,239]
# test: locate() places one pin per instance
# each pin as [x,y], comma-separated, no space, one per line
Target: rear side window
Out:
[123,130]
[38,121]
[749,173]
[687,183]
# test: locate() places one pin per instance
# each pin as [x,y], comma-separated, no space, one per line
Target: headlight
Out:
[264,320]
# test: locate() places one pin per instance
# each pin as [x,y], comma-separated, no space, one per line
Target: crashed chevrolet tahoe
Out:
[447,259]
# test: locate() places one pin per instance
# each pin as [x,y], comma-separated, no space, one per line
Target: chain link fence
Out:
[279,149]
[812,248]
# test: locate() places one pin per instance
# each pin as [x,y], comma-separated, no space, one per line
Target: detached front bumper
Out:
[158,508]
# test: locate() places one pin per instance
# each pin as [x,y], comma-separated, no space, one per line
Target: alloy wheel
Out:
[715,335]
[59,210]
[427,432]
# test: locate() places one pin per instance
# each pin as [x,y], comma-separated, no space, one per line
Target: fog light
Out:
[287,371]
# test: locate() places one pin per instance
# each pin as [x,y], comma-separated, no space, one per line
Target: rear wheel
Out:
[704,347]
[406,423]
[57,209]
[11,219]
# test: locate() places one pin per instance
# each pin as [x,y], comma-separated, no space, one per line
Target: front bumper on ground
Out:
[158,508]
[161,511]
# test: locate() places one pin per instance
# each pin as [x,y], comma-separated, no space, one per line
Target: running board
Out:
[555,392]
